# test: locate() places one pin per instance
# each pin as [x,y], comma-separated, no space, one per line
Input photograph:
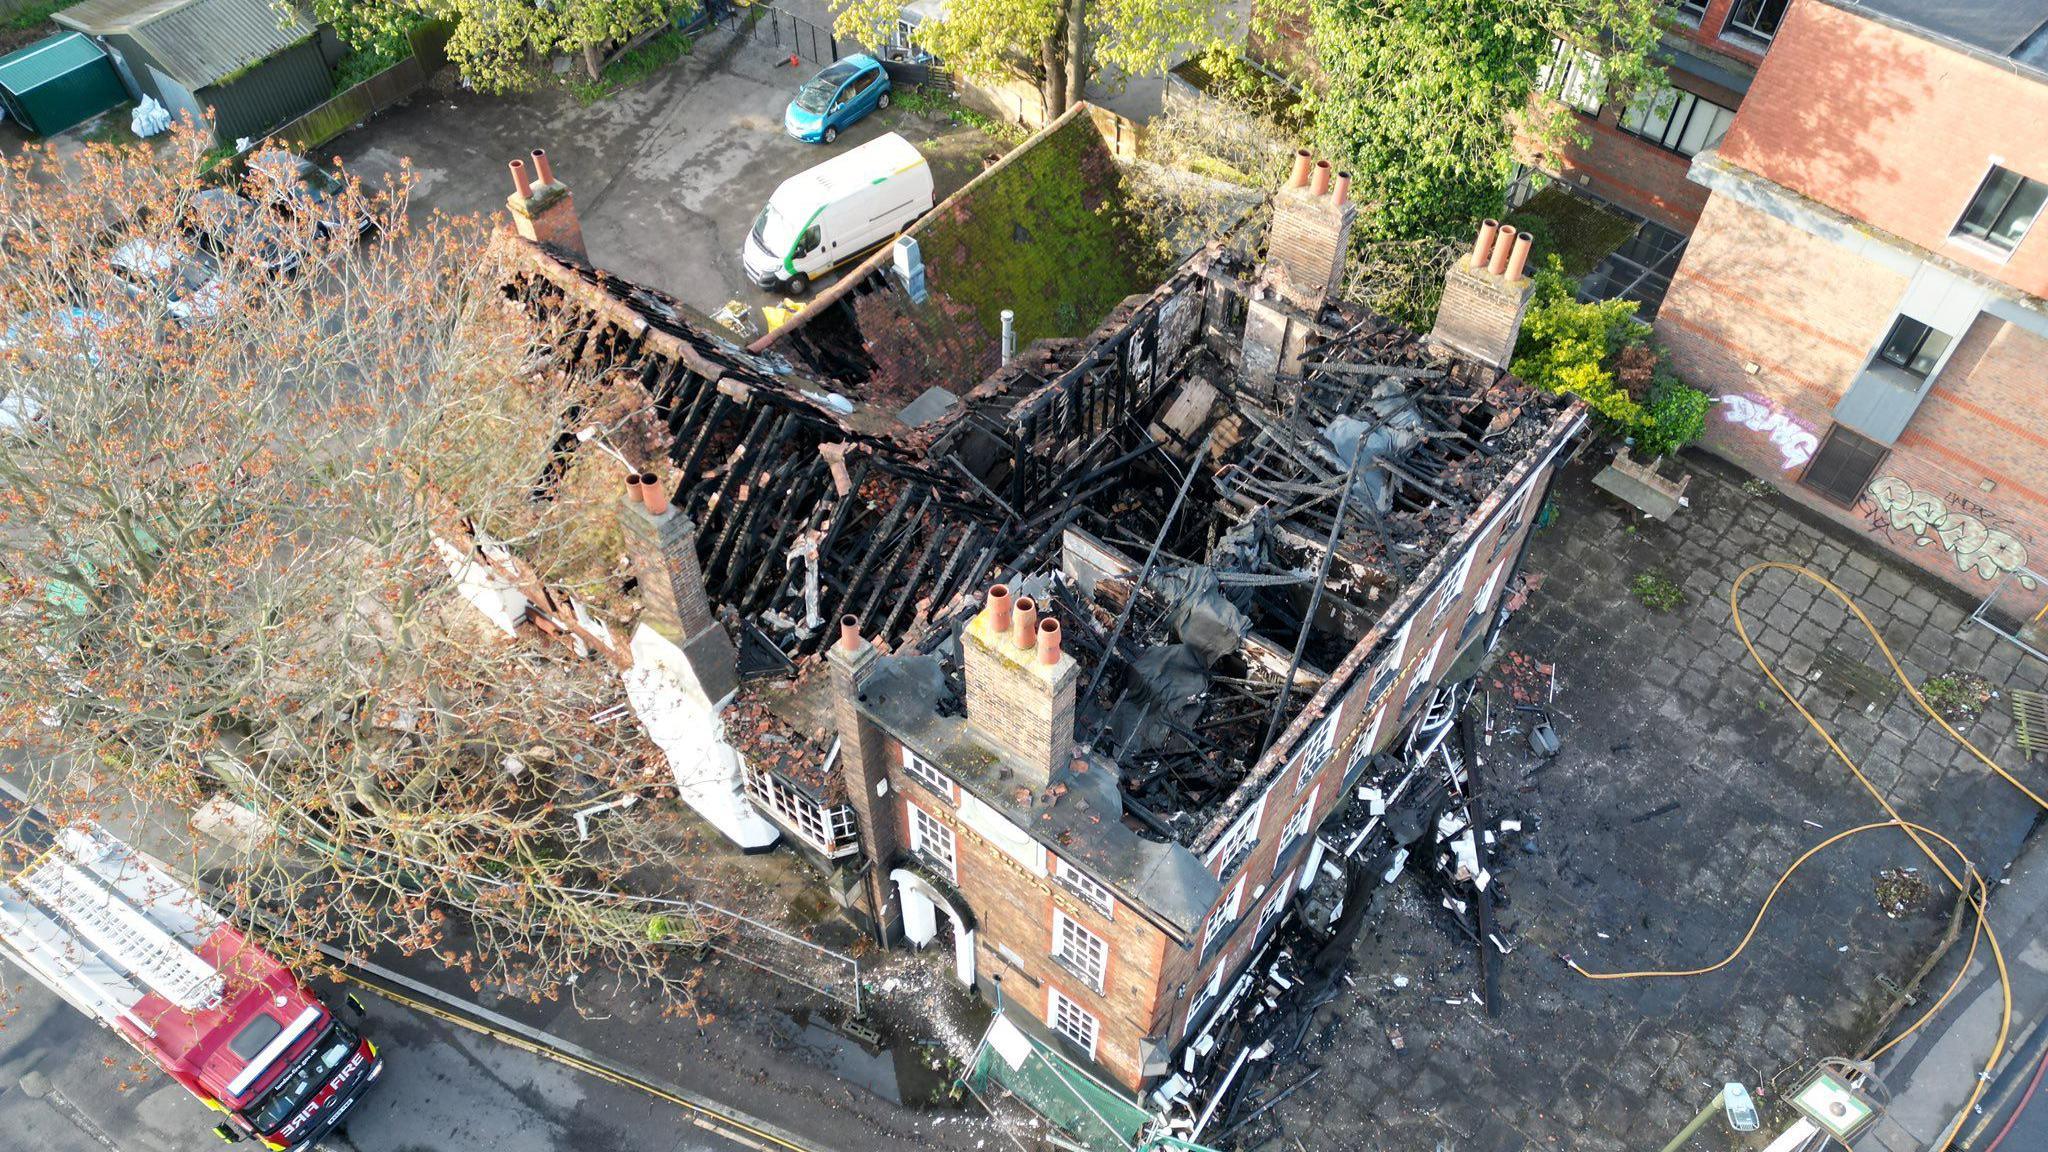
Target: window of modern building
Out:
[1092,892]
[1574,76]
[1691,11]
[1913,346]
[1843,466]
[915,767]
[1676,119]
[932,841]
[1071,1021]
[1078,950]
[1759,18]
[2003,208]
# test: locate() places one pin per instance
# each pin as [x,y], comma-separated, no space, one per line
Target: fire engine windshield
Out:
[297,1086]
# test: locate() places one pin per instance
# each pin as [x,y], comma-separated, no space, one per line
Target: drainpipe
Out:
[1009,335]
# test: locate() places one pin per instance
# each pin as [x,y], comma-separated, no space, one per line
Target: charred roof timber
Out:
[1222,498]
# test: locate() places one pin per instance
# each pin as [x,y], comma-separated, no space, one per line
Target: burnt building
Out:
[1063,669]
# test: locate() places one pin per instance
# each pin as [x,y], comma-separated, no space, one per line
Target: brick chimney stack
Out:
[864,770]
[1485,296]
[1311,232]
[662,545]
[1020,686]
[542,209]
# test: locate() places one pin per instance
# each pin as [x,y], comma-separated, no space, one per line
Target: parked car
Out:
[837,212]
[834,99]
[227,223]
[303,188]
[190,284]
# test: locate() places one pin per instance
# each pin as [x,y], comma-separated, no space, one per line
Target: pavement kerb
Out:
[722,1118]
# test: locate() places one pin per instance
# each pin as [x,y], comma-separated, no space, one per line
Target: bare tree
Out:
[240,450]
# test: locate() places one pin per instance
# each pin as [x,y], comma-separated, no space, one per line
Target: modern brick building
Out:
[1631,155]
[1864,292]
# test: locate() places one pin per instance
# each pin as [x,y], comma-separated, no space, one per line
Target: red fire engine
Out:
[112,932]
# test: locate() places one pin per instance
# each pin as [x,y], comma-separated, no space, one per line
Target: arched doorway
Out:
[922,902]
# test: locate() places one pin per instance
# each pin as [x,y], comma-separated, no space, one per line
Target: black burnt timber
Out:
[875,542]
[728,556]
[721,410]
[943,587]
[1392,371]
[718,514]
[1123,617]
[959,465]
[754,555]
[895,562]
[1315,598]
[935,537]
[796,515]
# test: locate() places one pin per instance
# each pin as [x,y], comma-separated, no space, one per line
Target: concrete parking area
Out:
[667,176]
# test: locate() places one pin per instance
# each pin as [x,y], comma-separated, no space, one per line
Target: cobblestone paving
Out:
[1685,787]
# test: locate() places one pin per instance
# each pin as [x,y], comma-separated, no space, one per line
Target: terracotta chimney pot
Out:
[633,486]
[1520,259]
[651,494]
[849,634]
[520,183]
[1048,641]
[999,605]
[1503,244]
[1320,180]
[1024,627]
[1482,248]
[541,168]
[1343,188]
[1302,160]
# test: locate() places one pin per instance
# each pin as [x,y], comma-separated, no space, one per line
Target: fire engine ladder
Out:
[125,934]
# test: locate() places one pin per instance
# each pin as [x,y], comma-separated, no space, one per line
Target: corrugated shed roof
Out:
[198,42]
[46,60]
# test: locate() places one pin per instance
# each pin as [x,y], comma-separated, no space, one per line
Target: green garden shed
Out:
[56,83]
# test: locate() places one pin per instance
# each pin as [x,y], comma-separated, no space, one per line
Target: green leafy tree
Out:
[1060,43]
[1417,96]
[495,43]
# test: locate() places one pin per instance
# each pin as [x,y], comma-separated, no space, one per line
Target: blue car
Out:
[833,99]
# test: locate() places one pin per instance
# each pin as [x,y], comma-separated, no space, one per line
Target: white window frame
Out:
[1237,845]
[1209,993]
[1298,824]
[1081,952]
[1482,605]
[927,830]
[1223,919]
[1317,749]
[828,829]
[1091,891]
[1983,245]
[1362,750]
[919,769]
[1392,665]
[1062,1009]
[1582,79]
[1447,592]
[1275,905]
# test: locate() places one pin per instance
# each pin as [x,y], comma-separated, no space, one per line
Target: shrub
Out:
[1596,350]
[1656,591]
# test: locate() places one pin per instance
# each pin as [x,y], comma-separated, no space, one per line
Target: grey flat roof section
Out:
[199,42]
[1999,27]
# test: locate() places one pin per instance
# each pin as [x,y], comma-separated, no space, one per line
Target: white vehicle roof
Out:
[800,196]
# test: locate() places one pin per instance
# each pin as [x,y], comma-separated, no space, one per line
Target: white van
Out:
[837,212]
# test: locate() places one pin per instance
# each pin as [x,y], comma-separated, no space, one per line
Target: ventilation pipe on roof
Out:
[1009,335]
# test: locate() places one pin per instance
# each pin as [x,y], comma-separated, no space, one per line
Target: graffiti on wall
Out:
[1795,442]
[1958,524]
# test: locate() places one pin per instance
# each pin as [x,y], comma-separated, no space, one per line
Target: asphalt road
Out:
[67,1085]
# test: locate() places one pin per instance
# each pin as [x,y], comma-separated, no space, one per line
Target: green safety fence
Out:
[1090,1114]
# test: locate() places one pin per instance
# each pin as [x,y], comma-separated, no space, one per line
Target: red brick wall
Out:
[1015,911]
[1753,290]
[1893,130]
[1624,169]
